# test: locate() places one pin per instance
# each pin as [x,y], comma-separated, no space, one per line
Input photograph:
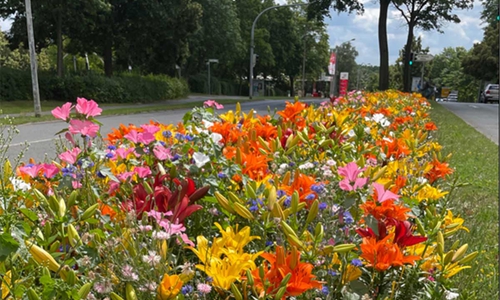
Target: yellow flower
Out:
[225,261]
[452,224]
[169,287]
[6,284]
[350,273]
[430,193]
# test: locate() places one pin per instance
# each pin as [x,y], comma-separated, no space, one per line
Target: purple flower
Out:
[287,201]
[348,217]
[112,147]
[325,290]
[356,262]
[310,197]
[280,193]
[318,188]
[221,175]
[167,133]
[187,289]
[323,205]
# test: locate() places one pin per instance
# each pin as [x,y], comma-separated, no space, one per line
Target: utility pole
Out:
[252,63]
[34,74]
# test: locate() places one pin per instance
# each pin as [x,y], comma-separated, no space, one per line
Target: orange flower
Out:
[292,112]
[394,147]
[430,126]
[439,170]
[254,165]
[169,287]
[384,254]
[278,266]
[385,210]
[302,184]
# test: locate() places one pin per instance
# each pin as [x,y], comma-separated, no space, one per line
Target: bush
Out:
[16,85]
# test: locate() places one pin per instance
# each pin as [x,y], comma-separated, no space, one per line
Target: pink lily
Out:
[70,155]
[142,172]
[49,170]
[383,194]
[350,173]
[30,170]
[213,103]
[89,108]
[150,128]
[124,152]
[85,128]
[162,153]
[62,112]
[140,137]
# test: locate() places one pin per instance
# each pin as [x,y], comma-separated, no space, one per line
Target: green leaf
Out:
[107,172]
[372,223]
[29,214]
[8,245]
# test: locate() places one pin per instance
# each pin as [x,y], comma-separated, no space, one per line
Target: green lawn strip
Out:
[126,110]
[475,159]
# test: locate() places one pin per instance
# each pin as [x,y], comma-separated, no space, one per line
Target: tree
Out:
[427,15]
[346,62]
[397,78]
[482,60]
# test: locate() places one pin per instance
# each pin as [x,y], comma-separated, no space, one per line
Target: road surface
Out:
[483,117]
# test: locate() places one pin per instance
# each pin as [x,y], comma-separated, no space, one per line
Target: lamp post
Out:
[252,63]
[213,60]
[334,83]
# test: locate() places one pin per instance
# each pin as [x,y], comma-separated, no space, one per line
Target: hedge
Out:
[16,85]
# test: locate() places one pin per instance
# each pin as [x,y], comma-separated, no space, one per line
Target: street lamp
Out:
[250,79]
[213,60]
[334,83]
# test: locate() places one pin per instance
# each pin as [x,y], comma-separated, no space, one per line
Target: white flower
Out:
[451,295]
[307,165]
[367,130]
[331,162]
[351,133]
[19,185]
[216,137]
[207,124]
[200,159]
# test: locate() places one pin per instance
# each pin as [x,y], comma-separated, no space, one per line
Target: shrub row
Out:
[199,84]
[16,85]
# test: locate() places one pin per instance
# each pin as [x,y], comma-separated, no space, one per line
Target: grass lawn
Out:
[475,159]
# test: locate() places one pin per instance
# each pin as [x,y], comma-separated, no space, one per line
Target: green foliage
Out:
[199,84]
[16,85]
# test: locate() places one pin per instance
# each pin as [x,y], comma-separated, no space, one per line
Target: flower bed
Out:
[347,200]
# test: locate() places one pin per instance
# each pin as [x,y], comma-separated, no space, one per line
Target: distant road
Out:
[483,117]
[41,136]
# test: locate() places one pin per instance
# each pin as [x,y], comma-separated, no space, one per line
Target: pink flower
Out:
[70,138]
[76,185]
[124,152]
[142,171]
[212,103]
[31,170]
[49,170]
[89,108]
[204,288]
[161,152]
[62,112]
[140,137]
[150,128]
[350,173]
[382,194]
[86,128]
[70,155]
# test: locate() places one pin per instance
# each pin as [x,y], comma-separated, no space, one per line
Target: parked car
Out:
[452,96]
[490,94]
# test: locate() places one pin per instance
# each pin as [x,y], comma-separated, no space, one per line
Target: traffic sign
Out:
[423,57]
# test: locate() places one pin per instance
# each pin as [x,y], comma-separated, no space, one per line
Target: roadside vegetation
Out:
[475,159]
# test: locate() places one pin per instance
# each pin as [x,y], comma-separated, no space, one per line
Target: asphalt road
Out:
[483,117]
[42,138]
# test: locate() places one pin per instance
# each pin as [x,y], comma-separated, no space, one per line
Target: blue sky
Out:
[364,29]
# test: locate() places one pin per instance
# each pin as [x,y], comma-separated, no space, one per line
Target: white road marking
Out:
[473,106]
[31,143]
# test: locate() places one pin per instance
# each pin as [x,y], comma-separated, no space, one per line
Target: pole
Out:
[209,89]
[34,74]
[422,77]
[250,77]
[304,71]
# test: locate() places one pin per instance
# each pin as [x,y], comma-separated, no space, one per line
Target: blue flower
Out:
[187,289]
[332,273]
[100,175]
[188,137]
[325,290]
[323,205]
[287,201]
[280,193]
[356,262]
[112,147]
[179,136]
[109,155]
[348,217]
[269,243]
[318,188]
[254,208]
[167,133]
[176,157]
[221,175]
[310,197]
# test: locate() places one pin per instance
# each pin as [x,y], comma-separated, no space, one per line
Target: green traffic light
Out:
[411,62]
[498,18]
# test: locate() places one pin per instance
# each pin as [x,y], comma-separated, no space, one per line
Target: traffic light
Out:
[255,59]
[410,61]
[498,13]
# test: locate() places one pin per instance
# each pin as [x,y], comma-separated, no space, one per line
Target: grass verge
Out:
[108,109]
[475,159]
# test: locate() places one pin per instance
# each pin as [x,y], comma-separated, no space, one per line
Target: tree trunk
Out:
[60,63]
[108,56]
[292,93]
[383,83]
[406,60]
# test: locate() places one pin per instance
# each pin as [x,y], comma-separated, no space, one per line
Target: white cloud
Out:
[5,24]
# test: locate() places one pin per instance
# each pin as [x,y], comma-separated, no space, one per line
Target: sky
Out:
[364,29]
